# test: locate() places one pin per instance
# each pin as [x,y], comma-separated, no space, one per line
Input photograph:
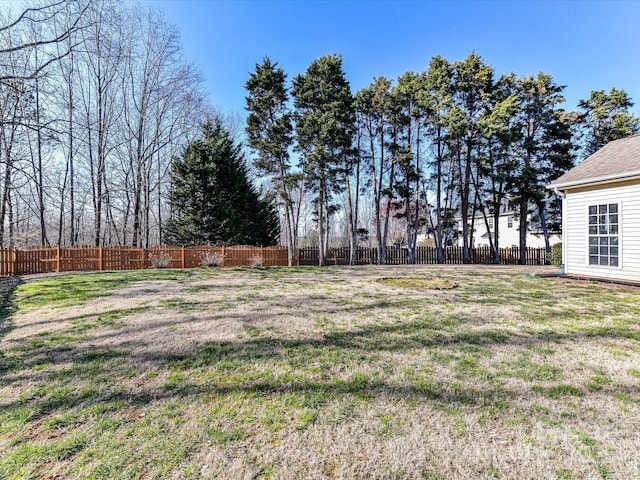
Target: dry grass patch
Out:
[318,373]
[418,283]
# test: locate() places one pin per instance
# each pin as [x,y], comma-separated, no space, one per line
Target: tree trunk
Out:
[61,240]
[387,214]
[495,246]
[439,228]
[350,227]
[354,250]
[322,254]
[464,212]
[523,207]
[72,201]
[377,194]
[37,164]
[543,221]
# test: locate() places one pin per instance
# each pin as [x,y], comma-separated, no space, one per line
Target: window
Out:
[510,221]
[603,235]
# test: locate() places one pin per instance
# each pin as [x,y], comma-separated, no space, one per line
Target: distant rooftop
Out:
[615,161]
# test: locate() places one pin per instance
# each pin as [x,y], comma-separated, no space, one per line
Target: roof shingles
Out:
[616,160]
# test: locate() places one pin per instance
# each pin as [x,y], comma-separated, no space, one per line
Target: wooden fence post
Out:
[100,259]
[182,257]
[59,259]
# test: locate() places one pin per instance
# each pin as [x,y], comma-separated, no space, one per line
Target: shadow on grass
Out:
[265,366]
[7,307]
[8,287]
[69,386]
[229,368]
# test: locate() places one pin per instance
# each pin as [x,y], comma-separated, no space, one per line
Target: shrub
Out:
[211,259]
[257,261]
[400,242]
[556,254]
[160,260]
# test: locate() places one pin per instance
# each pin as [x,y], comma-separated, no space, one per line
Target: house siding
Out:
[576,257]
[508,236]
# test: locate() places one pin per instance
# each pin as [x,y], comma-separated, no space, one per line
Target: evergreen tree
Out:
[545,150]
[473,83]
[269,130]
[409,114]
[325,121]
[373,105]
[606,117]
[439,105]
[212,199]
[500,132]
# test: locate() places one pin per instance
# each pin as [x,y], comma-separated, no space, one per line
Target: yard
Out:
[450,372]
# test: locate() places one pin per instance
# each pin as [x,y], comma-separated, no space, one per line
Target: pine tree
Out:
[545,150]
[500,133]
[269,130]
[373,105]
[439,99]
[325,124]
[473,82]
[606,117]
[212,199]
[408,118]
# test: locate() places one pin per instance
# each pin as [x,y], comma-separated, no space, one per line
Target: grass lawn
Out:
[448,372]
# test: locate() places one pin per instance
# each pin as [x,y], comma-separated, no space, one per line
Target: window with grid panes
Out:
[603,234]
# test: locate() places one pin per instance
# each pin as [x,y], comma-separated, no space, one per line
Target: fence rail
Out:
[66,259]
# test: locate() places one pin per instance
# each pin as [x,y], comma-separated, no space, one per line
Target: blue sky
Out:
[585,45]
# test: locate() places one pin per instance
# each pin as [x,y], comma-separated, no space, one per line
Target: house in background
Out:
[508,232]
[601,213]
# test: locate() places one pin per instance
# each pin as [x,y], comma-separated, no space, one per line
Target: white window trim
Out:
[620,228]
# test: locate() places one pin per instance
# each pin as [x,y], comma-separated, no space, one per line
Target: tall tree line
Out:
[437,150]
[95,99]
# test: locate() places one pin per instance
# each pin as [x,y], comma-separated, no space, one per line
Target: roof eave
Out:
[595,181]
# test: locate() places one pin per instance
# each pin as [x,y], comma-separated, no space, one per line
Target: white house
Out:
[601,213]
[508,232]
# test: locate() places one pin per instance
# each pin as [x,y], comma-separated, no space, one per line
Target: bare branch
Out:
[74,27]
[24,14]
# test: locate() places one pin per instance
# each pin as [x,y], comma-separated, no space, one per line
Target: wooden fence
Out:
[66,259]
[424,256]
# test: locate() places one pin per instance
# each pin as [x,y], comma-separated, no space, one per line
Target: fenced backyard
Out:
[26,261]
[372,372]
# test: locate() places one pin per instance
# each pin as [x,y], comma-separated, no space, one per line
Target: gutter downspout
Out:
[563,195]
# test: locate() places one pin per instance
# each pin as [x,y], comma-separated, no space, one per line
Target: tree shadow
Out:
[8,288]
[230,360]
[277,359]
